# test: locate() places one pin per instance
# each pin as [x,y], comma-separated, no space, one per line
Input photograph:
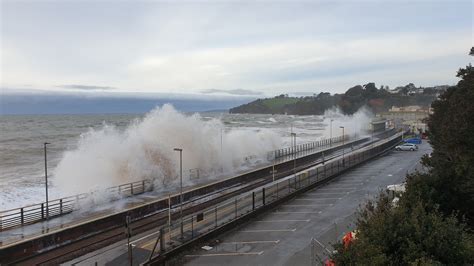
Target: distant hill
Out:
[378,99]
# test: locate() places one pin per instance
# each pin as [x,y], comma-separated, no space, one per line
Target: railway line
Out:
[90,236]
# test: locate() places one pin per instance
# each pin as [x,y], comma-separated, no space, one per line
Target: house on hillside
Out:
[413,117]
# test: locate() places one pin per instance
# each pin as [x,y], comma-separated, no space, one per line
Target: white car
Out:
[406,147]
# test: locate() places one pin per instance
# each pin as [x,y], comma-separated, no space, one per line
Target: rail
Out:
[41,211]
[306,146]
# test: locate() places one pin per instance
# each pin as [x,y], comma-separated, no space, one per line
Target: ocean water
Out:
[89,152]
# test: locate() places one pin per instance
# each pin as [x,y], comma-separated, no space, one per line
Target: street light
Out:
[181,187]
[221,140]
[46,178]
[222,154]
[330,133]
[372,135]
[343,148]
[293,136]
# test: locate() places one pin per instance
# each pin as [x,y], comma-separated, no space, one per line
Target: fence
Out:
[43,211]
[185,230]
[306,146]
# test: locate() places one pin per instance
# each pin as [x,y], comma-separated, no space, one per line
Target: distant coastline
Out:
[377,99]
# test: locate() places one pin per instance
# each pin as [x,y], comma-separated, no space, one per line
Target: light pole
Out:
[330,132]
[372,135]
[343,148]
[181,187]
[46,178]
[221,140]
[293,136]
[222,157]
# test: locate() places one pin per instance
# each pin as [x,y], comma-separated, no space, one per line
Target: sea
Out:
[91,150]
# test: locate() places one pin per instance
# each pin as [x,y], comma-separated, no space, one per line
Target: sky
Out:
[228,50]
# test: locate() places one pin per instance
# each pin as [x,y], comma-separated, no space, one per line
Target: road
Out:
[283,236]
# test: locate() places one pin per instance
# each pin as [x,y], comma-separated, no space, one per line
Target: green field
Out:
[278,103]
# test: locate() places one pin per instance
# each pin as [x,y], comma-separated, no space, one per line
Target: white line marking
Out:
[136,240]
[226,254]
[344,189]
[323,193]
[306,205]
[282,221]
[319,199]
[296,212]
[251,242]
[268,230]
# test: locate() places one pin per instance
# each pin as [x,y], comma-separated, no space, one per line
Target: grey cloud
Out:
[233,92]
[86,87]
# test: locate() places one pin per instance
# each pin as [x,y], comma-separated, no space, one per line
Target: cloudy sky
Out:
[231,47]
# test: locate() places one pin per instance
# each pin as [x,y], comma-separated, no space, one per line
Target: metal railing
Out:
[41,211]
[179,232]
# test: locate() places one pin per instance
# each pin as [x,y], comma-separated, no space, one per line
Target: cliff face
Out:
[378,100]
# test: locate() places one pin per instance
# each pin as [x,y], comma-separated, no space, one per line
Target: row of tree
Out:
[433,223]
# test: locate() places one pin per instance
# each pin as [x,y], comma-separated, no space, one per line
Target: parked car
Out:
[406,147]
[413,140]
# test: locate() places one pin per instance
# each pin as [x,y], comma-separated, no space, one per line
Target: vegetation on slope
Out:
[349,102]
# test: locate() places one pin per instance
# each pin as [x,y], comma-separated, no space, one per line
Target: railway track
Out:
[54,254]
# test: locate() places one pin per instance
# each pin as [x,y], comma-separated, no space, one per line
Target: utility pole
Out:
[343,148]
[181,187]
[293,135]
[222,154]
[46,178]
[330,132]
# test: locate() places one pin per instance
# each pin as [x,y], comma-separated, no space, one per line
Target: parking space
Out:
[283,236]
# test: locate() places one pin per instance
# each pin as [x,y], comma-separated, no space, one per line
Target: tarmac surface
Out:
[284,235]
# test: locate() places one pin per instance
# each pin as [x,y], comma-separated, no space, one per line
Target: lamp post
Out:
[222,157]
[330,132]
[181,187]
[46,178]
[293,139]
[221,140]
[372,135]
[343,148]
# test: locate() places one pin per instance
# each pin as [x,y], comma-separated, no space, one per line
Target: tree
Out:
[403,235]
[452,138]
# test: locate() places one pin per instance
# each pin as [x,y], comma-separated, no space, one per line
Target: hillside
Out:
[378,100]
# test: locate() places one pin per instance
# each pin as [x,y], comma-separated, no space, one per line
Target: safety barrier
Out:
[307,146]
[42,211]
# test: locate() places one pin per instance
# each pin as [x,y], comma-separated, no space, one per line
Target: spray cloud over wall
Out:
[109,156]
[357,123]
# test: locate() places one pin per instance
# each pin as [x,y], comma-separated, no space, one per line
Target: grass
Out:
[278,103]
